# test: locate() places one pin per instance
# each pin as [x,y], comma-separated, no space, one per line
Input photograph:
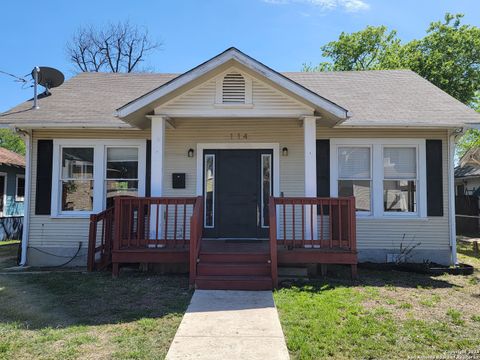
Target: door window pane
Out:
[121,173]
[266,187]
[77,179]
[209,190]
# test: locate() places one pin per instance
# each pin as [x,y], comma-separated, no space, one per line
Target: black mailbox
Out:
[178,180]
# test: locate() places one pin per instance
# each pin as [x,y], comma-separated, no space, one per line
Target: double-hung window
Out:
[387,177]
[88,174]
[355,175]
[400,179]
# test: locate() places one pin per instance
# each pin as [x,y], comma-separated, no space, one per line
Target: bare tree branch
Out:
[120,47]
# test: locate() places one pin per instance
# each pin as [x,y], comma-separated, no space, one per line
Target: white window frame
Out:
[99,169]
[359,213]
[19,198]
[377,170]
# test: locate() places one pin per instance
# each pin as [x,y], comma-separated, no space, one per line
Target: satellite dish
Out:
[49,77]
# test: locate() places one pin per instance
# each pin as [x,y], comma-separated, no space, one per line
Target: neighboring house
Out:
[235,132]
[467,173]
[12,194]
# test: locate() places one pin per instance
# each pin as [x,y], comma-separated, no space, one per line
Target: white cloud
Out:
[347,5]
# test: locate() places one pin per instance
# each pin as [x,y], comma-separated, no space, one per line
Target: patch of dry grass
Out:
[89,316]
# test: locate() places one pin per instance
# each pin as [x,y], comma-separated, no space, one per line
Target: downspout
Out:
[26,205]
[451,193]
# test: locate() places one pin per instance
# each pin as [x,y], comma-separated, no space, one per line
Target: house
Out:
[12,194]
[467,173]
[235,168]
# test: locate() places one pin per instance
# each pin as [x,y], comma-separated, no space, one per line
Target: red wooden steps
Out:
[230,270]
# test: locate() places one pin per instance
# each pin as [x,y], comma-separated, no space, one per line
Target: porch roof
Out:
[388,98]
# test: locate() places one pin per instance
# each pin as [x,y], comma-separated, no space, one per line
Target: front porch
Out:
[171,230]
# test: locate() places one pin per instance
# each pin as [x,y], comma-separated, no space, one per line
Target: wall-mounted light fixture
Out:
[190,153]
[285,151]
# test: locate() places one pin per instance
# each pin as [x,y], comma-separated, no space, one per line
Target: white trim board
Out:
[275,147]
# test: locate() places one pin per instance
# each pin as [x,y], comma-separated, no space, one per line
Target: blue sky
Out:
[283,34]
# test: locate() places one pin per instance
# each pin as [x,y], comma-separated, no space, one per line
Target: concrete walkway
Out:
[229,325]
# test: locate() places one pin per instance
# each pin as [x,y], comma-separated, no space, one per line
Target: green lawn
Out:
[90,316]
[382,315]
[65,315]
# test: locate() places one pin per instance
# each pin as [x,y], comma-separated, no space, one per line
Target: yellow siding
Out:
[433,233]
[189,133]
[201,99]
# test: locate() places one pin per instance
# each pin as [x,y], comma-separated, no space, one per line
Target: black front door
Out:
[234,197]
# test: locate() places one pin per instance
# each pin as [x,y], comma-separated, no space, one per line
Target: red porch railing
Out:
[100,240]
[315,222]
[155,223]
[325,225]
[136,224]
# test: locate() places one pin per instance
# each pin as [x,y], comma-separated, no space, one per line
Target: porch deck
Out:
[156,230]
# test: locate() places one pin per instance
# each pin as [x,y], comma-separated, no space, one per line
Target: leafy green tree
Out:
[11,141]
[448,56]
[370,49]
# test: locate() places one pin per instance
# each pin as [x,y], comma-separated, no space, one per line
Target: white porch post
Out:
[310,149]
[158,150]
[156,177]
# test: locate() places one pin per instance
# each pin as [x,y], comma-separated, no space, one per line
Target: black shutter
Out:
[148,167]
[434,178]
[43,194]
[323,168]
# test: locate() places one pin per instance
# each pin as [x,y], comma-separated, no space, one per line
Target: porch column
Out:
[156,177]
[158,150]
[310,149]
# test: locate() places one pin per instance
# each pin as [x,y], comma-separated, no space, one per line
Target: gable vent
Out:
[233,90]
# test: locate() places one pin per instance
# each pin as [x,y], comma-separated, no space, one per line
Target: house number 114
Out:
[238,136]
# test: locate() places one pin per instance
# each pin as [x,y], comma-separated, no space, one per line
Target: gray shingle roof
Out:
[467,170]
[375,98]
